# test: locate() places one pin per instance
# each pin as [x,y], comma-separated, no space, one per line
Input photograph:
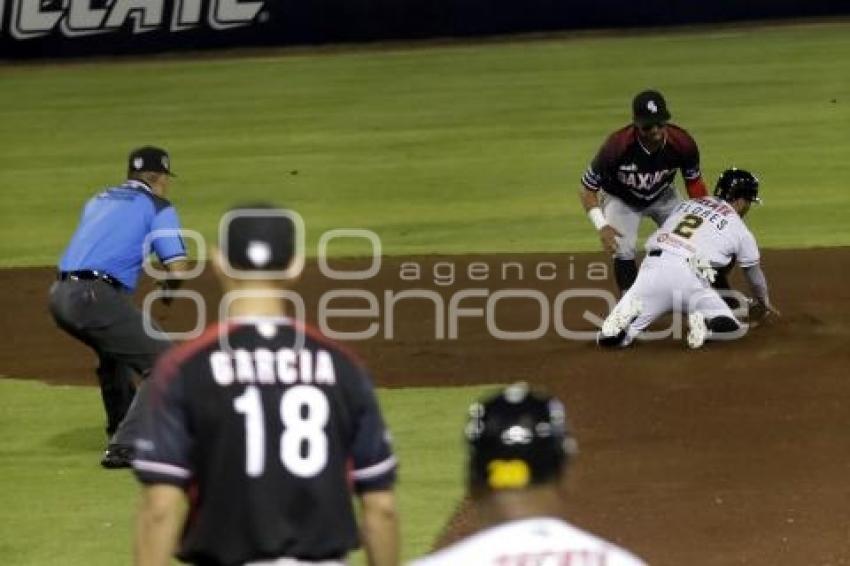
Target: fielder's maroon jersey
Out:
[268,439]
[625,169]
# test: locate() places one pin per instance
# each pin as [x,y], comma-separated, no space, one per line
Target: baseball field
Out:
[464,161]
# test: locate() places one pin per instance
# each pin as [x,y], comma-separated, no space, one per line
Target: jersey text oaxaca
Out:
[288,431]
[624,168]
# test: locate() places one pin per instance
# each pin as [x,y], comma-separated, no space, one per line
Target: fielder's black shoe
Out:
[117,456]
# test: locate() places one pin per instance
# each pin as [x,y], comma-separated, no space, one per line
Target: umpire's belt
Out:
[90,275]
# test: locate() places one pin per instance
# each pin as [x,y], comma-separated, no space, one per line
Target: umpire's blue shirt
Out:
[112,232]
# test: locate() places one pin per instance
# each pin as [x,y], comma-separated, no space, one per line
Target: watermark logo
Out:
[361,303]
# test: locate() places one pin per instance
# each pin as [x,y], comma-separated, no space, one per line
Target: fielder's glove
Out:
[702,267]
[761,311]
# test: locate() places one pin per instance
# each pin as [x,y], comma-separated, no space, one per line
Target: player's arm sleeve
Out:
[600,167]
[373,462]
[85,209]
[748,258]
[164,444]
[166,241]
[591,179]
[758,282]
[691,172]
[696,187]
[747,253]
[621,557]
[625,559]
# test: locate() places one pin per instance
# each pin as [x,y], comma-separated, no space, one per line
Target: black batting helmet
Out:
[737,183]
[517,438]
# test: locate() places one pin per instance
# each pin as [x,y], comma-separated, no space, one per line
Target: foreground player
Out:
[701,236]
[519,448]
[264,426]
[631,177]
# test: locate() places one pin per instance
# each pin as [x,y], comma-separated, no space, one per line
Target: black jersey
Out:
[624,168]
[268,439]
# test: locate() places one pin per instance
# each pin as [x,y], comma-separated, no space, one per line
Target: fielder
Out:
[701,236]
[632,176]
[519,448]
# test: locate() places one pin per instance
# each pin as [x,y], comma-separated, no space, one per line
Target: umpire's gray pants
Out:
[106,320]
[626,218]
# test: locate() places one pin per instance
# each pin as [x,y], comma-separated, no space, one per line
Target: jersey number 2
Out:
[304,412]
[688,225]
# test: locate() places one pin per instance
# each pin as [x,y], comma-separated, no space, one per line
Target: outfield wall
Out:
[73,28]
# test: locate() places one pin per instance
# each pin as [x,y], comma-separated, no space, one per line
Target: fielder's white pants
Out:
[626,218]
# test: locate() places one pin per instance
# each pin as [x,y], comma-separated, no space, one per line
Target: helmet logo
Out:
[517,435]
[138,163]
[652,107]
[517,392]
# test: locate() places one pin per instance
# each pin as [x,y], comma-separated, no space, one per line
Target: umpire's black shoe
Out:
[117,456]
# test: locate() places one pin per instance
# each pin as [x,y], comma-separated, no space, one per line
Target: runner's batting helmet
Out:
[517,438]
[737,183]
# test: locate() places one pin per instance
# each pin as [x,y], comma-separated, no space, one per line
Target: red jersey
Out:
[625,169]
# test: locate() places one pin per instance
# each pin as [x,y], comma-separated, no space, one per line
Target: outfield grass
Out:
[457,149]
[59,506]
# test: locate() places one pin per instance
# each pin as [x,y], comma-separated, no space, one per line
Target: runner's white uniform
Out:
[541,541]
[706,230]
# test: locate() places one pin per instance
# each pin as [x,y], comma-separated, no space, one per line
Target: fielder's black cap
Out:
[517,438]
[150,158]
[649,107]
[259,237]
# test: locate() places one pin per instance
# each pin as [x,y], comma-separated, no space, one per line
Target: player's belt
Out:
[655,253]
[90,275]
[286,561]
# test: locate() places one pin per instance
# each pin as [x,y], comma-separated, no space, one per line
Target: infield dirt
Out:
[738,453]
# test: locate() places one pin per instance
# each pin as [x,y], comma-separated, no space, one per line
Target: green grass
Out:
[454,149]
[58,502]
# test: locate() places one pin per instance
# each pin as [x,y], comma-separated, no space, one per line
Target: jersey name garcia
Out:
[708,228]
[625,169]
[268,426]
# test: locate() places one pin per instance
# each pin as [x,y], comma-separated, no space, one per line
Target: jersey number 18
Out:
[304,412]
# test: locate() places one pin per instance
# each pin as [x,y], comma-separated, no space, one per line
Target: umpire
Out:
[91,299]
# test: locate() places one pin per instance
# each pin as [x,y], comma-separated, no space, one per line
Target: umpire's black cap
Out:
[517,438]
[649,107]
[258,237]
[149,158]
